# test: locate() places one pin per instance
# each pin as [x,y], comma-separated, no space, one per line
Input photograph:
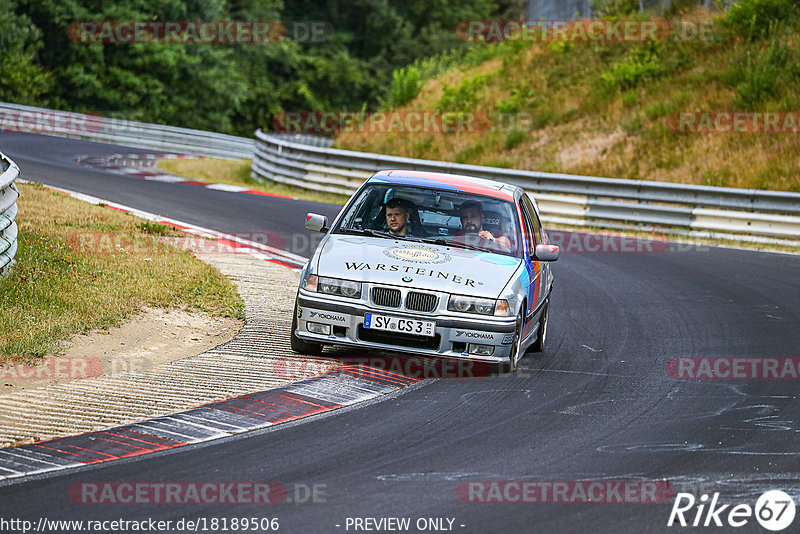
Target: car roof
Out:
[439,180]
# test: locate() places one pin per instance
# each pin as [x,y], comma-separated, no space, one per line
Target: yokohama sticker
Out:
[327,316]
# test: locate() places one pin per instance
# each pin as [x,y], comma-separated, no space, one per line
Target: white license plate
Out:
[398,324]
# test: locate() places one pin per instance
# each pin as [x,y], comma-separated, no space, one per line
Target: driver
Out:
[472,223]
[397,217]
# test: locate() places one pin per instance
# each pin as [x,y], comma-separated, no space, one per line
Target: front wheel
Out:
[541,332]
[302,346]
[516,345]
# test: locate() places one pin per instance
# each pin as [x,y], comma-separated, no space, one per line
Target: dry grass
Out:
[59,288]
[237,172]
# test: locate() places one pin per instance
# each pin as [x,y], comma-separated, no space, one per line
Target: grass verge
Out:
[237,172]
[58,288]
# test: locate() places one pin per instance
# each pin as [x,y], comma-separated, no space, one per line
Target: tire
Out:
[541,332]
[516,344]
[300,346]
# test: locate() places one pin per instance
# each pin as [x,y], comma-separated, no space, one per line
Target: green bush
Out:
[517,101]
[514,138]
[754,19]
[658,110]
[433,66]
[758,78]
[643,64]
[406,85]
[462,97]
[561,47]
[407,82]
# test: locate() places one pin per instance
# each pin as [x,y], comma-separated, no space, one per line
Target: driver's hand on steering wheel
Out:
[500,241]
[486,235]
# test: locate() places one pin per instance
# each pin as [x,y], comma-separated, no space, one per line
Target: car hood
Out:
[417,265]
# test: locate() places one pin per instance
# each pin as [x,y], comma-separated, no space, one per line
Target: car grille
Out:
[423,302]
[386,297]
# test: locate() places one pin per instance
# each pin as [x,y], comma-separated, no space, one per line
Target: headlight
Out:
[459,304]
[462,304]
[334,286]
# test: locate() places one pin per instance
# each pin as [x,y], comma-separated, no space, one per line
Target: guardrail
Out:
[309,162]
[18,118]
[8,213]
[698,211]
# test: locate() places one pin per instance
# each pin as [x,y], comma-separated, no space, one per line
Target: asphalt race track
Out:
[598,405]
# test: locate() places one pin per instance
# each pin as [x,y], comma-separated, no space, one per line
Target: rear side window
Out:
[529,230]
[534,219]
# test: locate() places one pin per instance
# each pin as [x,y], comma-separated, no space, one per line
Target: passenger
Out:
[472,219]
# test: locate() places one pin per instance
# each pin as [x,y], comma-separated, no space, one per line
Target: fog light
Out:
[319,328]
[480,350]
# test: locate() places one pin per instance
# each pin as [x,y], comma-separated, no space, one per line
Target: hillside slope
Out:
[614,108]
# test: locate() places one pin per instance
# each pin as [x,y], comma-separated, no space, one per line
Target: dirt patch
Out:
[154,336]
[588,149]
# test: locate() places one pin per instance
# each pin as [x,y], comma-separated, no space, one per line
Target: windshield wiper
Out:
[366,231]
[454,244]
[464,245]
[379,233]
[435,241]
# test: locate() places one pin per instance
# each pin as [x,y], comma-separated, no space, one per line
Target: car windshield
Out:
[451,218]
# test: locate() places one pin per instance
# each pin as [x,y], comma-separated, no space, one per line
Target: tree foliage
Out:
[231,88]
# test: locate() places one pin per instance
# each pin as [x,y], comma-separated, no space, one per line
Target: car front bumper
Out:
[454,337]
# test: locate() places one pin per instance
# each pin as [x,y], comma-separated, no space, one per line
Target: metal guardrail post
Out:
[8,214]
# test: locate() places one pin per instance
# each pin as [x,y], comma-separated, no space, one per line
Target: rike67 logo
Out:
[774,510]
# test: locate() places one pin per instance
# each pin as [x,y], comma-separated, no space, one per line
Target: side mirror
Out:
[317,223]
[546,252]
